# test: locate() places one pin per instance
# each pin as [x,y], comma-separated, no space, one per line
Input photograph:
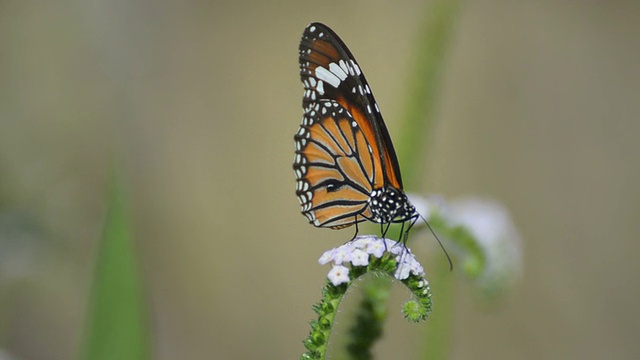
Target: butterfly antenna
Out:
[439,242]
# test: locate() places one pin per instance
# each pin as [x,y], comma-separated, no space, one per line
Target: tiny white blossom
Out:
[357,253]
[343,254]
[327,257]
[338,275]
[394,247]
[402,272]
[376,248]
[416,268]
[361,242]
[359,258]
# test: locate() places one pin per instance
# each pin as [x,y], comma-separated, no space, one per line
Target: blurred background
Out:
[538,109]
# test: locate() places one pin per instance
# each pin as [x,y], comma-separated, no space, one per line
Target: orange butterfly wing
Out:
[334,165]
[348,144]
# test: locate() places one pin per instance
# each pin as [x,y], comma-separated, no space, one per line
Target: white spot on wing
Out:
[355,67]
[320,88]
[327,76]
[337,70]
[345,67]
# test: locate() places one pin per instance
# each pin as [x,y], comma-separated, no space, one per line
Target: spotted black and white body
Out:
[345,165]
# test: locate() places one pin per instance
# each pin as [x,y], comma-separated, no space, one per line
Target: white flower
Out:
[343,254]
[338,275]
[359,258]
[416,268]
[361,242]
[327,256]
[394,247]
[490,224]
[357,253]
[402,272]
[376,248]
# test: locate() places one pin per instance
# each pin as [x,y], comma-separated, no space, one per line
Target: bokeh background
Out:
[199,100]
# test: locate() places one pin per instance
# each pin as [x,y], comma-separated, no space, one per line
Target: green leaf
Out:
[117,326]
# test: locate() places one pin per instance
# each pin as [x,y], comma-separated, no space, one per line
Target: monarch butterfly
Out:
[345,165]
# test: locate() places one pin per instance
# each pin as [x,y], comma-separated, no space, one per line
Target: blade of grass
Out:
[117,326]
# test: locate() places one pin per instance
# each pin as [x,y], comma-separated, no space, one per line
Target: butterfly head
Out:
[389,204]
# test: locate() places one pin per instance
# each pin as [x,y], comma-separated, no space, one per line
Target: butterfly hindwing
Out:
[334,166]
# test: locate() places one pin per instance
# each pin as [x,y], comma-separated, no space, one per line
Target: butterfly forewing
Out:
[328,70]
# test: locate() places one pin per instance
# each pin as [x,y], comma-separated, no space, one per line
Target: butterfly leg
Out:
[356,234]
[383,232]
[384,229]
[400,236]
[405,236]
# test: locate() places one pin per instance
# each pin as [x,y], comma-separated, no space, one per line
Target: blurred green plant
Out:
[117,322]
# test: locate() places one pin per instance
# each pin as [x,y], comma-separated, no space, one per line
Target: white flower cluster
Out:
[357,253]
[493,228]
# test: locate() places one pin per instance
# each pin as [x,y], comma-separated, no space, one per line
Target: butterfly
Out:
[345,164]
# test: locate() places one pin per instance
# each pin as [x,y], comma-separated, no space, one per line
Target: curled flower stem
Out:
[371,316]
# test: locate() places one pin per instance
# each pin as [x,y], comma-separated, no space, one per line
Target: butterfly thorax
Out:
[389,204]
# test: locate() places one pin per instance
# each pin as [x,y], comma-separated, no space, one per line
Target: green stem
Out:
[369,319]
[422,96]
[424,88]
[437,336]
